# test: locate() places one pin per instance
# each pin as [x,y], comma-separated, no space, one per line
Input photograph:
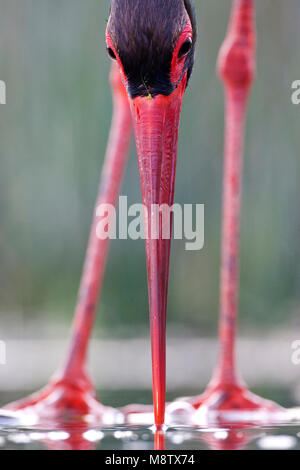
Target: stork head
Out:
[153,42]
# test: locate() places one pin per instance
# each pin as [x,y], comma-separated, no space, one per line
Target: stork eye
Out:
[111,53]
[185,48]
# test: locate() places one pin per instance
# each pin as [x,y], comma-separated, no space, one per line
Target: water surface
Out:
[81,436]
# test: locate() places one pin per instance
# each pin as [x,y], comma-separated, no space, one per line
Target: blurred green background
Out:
[53,134]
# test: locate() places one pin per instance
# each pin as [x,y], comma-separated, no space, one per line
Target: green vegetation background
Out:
[53,134]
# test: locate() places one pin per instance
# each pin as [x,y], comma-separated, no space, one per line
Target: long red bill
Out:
[156,123]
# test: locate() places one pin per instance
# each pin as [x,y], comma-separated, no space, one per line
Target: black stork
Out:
[152,42]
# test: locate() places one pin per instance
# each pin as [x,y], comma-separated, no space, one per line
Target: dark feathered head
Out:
[153,41]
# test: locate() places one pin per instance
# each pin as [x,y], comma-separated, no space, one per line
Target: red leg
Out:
[236,67]
[70,392]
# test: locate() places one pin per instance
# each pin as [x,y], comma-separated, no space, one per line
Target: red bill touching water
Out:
[153,44]
[156,124]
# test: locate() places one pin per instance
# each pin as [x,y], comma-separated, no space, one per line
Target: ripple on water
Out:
[142,438]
